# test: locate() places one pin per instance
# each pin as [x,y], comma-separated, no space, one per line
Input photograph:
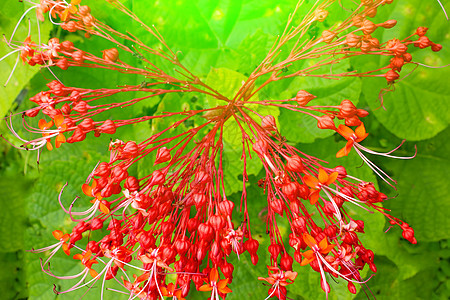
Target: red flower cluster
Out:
[178,219]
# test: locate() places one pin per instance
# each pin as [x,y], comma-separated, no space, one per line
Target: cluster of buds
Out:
[178,219]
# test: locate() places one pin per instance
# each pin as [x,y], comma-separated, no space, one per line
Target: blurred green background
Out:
[215,37]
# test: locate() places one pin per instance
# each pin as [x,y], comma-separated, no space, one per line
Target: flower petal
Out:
[345,131]
[310,181]
[323,176]
[309,240]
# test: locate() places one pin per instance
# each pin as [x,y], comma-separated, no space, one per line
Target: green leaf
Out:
[10,12]
[423,199]
[418,108]
[328,92]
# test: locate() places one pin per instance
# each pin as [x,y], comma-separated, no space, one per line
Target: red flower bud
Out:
[78,56]
[325,122]
[102,169]
[251,246]
[108,127]
[77,136]
[205,232]
[347,108]
[294,164]
[217,222]
[62,63]
[158,178]
[96,224]
[111,55]
[303,97]
[182,246]
[81,107]
[389,24]
[162,155]
[67,46]
[132,184]
[260,147]
[226,207]
[391,76]
[286,262]
[421,31]
[119,173]
[274,250]
[269,123]
[368,27]
[130,150]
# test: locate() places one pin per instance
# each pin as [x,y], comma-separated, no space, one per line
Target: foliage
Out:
[231,38]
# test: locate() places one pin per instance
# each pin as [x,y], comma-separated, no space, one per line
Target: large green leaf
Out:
[10,12]
[418,108]
[328,92]
[423,199]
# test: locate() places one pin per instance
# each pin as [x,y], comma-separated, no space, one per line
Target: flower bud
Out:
[397,63]
[352,40]
[111,55]
[77,136]
[294,164]
[78,56]
[62,63]
[70,26]
[320,15]
[274,250]
[389,24]
[81,107]
[217,222]
[205,232]
[303,97]
[371,12]
[87,124]
[328,36]
[368,27]
[158,178]
[84,10]
[102,169]
[347,108]
[436,47]
[108,127]
[226,207]
[325,122]
[119,173]
[131,184]
[251,246]
[260,147]
[391,76]
[421,31]
[286,262]
[162,155]
[423,42]
[268,123]
[130,150]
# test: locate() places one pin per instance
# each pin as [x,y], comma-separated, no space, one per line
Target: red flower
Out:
[351,136]
[316,183]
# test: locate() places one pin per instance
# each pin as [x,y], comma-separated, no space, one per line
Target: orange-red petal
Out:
[332,178]
[314,197]
[213,275]
[360,132]
[205,288]
[323,176]
[309,240]
[345,131]
[103,208]
[58,234]
[87,190]
[66,249]
[310,181]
